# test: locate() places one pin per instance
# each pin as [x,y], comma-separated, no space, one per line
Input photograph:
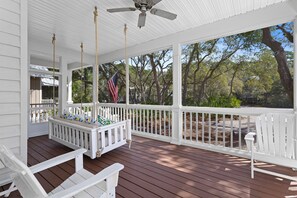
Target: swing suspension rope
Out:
[127,68]
[96,62]
[125,32]
[81,75]
[54,70]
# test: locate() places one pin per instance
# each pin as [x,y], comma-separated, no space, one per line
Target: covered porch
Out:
[183,129]
[157,169]
[177,150]
[217,129]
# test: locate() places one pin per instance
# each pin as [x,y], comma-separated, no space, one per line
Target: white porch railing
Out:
[40,112]
[146,120]
[151,120]
[221,129]
[84,108]
[217,129]
[113,112]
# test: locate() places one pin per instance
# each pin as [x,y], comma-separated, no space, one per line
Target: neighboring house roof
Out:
[46,80]
[49,82]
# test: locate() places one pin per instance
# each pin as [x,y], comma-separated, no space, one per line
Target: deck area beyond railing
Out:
[158,169]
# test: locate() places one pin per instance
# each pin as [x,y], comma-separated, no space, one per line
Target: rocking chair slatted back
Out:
[275,134]
[23,178]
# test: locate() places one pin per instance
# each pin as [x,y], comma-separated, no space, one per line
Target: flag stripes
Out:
[113,87]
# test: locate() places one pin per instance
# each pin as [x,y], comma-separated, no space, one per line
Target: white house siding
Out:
[13,75]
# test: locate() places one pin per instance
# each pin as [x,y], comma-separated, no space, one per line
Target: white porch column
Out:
[69,81]
[295,82]
[177,96]
[295,67]
[62,86]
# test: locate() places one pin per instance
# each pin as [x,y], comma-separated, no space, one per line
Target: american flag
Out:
[113,87]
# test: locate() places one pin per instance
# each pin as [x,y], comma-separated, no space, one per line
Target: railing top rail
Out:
[152,107]
[137,106]
[111,105]
[213,110]
[40,108]
[78,105]
[236,111]
[48,103]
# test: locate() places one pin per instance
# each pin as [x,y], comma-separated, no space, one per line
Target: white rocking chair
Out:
[81,184]
[275,143]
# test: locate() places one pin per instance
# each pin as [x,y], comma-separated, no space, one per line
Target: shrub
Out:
[222,101]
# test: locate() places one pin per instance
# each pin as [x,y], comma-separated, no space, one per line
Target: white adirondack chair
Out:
[275,142]
[5,178]
[81,184]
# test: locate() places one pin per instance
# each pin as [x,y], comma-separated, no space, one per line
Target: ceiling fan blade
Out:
[120,9]
[163,13]
[156,1]
[141,19]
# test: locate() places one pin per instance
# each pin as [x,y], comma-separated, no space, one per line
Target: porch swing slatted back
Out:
[275,134]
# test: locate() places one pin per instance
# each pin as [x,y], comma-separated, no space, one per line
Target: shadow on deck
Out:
[158,169]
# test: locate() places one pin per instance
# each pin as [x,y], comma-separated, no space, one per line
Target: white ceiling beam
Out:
[77,65]
[268,16]
[42,62]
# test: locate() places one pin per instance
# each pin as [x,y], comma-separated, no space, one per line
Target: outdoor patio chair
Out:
[275,142]
[5,178]
[81,184]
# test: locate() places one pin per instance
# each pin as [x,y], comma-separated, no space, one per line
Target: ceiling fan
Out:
[143,6]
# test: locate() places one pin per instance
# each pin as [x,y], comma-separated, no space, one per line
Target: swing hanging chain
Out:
[54,74]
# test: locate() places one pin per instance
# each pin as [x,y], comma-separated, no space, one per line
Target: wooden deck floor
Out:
[157,169]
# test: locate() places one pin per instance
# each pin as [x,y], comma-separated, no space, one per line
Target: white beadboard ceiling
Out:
[72,20]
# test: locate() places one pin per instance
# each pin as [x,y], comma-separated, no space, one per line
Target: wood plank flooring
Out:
[158,169]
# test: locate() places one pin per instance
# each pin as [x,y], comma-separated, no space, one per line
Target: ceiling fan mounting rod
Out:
[143,6]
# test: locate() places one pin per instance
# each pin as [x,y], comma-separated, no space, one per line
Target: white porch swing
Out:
[96,139]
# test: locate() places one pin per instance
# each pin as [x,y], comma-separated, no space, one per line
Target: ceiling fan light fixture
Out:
[141,19]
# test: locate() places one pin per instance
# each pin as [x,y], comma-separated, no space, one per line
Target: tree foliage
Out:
[253,69]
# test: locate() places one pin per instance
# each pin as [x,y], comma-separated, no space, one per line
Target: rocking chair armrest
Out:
[250,136]
[56,160]
[99,177]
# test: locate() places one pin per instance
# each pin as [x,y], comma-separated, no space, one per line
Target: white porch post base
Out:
[176,126]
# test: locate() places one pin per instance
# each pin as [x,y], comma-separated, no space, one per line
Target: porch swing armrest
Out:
[57,160]
[250,136]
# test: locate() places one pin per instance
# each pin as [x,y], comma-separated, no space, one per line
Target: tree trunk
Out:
[281,59]
[186,73]
[232,80]
[155,74]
